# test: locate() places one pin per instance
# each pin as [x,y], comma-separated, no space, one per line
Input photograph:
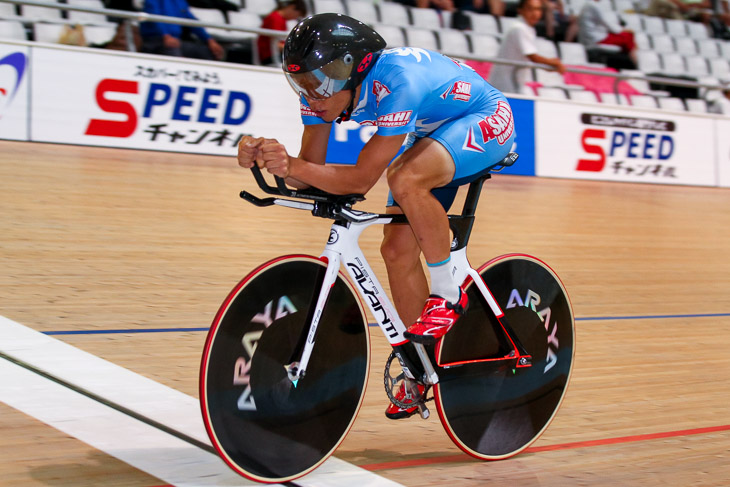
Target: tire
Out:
[262,425]
[489,407]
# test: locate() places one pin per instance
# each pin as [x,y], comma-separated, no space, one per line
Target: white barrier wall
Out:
[722,136]
[61,94]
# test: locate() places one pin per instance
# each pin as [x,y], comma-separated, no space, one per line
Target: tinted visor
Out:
[323,82]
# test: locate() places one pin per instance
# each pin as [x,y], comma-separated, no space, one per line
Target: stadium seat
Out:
[425,18]
[423,38]
[393,13]
[696,66]
[324,6]
[47,32]
[86,17]
[484,23]
[708,48]
[35,14]
[484,45]
[685,46]
[662,43]
[551,92]
[363,10]
[8,11]
[643,41]
[697,30]
[573,53]
[676,28]
[696,105]
[505,23]
[393,35]
[643,101]
[243,18]
[12,29]
[653,25]
[546,48]
[260,7]
[672,63]
[649,61]
[671,103]
[454,42]
[633,22]
[719,67]
[583,96]
[97,35]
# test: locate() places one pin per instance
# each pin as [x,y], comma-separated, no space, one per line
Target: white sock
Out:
[442,280]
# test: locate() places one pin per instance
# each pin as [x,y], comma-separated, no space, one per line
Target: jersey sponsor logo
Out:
[365,63]
[397,119]
[306,111]
[499,126]
[380,91]
[461,91]
[470,142]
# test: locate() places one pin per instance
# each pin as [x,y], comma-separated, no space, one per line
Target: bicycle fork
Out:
[342,248]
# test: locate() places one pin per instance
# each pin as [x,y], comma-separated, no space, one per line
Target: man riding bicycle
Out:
[454,124]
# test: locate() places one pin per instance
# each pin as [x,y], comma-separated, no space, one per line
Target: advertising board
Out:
[144,102]
[624,144]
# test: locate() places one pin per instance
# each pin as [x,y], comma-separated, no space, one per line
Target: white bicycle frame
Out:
[343,249]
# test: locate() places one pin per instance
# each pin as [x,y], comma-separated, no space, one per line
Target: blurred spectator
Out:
[285,10]
[558,24]
[594,29]
[721,104]
[494,7]
[174,39]
[520,44]
[696,10]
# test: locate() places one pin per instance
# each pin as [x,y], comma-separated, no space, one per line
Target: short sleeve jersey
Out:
[413,90]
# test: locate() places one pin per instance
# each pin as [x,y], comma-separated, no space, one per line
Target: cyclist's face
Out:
[328,109]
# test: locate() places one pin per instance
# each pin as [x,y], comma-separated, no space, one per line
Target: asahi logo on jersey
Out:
[499,126]
[461,91]
[397,119]
[380,91]
[305,110]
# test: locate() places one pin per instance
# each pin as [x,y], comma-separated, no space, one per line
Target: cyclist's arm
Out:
[314,149]
[371,163]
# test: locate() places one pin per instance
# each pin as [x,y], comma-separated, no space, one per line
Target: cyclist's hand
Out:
[275,158]
[248,150]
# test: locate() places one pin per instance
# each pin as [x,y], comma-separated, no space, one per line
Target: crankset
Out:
[395,377]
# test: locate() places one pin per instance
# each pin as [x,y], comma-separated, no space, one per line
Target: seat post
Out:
[472,196]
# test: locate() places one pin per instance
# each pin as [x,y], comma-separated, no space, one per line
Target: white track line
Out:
[138,444]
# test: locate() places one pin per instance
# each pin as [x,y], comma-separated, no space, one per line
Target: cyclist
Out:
[454,126]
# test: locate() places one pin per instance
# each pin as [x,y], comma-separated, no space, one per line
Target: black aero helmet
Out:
[328,53]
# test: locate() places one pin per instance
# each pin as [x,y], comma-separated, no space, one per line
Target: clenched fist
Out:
[267,153]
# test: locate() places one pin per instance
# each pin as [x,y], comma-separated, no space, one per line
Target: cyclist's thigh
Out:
[478,140]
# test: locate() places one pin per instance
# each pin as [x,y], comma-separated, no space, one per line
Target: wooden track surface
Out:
[101,239]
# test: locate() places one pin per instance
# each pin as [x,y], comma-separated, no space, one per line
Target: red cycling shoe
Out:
[437,318]
[396,412]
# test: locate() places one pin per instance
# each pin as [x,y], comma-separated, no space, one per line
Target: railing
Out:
[145,17]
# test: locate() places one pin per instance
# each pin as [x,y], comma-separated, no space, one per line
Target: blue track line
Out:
[197,329]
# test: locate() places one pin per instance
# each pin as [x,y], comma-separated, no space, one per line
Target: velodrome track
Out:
[114,263]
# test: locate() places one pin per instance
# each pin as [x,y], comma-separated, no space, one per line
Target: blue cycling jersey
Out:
[426,94]
[416,90]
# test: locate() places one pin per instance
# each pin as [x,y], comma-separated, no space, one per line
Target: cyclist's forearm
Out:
[334,179]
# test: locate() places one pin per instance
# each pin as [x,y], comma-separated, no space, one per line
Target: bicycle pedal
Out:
[423,411]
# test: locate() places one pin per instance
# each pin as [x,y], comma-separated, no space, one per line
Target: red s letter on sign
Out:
[593,165]
[111,128]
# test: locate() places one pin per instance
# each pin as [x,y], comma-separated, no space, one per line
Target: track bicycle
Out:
[285,364]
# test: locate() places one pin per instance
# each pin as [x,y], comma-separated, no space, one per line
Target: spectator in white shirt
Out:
[595,29]
[520,44]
